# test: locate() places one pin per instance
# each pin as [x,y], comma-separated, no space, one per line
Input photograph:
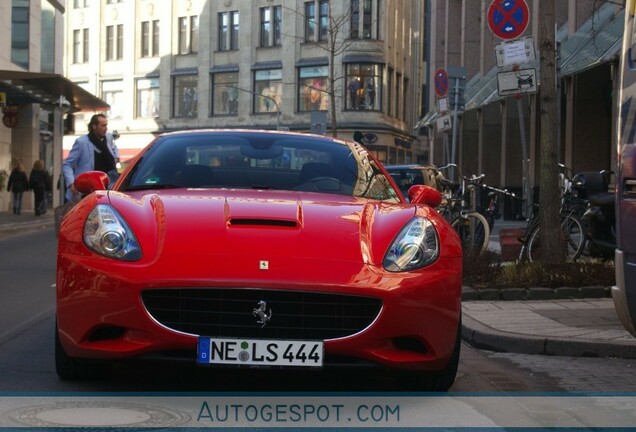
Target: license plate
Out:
[259,352]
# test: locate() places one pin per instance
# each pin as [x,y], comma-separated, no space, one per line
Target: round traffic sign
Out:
[508,19]
[441,82]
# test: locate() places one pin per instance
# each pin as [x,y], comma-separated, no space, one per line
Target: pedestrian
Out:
[40,184]
[95,151]
[18,183]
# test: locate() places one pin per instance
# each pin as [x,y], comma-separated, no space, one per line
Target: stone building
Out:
[314,66]
[34,94]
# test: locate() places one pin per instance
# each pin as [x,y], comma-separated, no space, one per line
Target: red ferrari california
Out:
[258,249]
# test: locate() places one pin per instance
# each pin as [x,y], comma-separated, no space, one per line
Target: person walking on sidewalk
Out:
[18,184]
[40,183]
[95,151]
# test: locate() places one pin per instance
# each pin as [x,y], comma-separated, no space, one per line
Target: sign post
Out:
[508,19]
[458,74]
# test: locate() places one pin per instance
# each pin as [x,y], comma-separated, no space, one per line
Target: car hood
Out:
[262,223]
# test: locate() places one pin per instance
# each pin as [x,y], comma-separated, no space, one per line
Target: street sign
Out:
[517,82]
[444,123]
[441,82]
[517,51]
[442,104]
[508,19]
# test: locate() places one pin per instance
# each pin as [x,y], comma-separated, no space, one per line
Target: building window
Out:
[194,34]
[185,96]
[398,95]
[315,24]
[113,95]
[150,38]
[367,27]
[47,38]
[155,38]
[405,98]
[77,43]
[80,46]
[268,86]
[188,34]
[225,93]
[79,4]
[312,88]
[147,98]
[364,86]
[85,45]
[115,42]
[271,18]
[310,21]
[389,96]
[20,33]
[323,33]
[228,30]
[145,39]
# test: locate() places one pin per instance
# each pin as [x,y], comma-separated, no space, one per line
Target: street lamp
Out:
[266,97]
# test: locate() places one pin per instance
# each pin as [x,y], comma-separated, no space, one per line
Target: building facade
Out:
[34,95]
[331,67]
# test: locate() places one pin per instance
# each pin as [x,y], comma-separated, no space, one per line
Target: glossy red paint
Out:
[207,238]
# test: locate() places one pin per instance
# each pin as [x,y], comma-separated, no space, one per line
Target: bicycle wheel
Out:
[473,231]
[574,239]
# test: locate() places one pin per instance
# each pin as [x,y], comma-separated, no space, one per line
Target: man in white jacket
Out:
[95,151]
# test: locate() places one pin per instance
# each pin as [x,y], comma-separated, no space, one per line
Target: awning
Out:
[427,120]
[481,91]
[46,88]
[594,43]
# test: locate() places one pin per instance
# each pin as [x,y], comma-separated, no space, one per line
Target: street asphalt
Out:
[562,322]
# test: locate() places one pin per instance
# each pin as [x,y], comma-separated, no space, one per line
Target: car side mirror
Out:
[422,194]
[91,181]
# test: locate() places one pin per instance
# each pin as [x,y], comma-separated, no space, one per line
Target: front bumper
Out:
[101,314]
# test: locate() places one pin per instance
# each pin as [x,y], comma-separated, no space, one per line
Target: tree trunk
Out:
[551,236]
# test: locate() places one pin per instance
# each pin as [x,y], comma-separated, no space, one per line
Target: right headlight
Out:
[107,233]
[416,246]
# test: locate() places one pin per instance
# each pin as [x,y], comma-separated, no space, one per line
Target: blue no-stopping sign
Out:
[508,19]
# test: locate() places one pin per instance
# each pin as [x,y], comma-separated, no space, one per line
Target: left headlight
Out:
[107,233]
[416,246]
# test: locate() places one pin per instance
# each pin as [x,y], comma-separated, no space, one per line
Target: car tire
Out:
[75,369]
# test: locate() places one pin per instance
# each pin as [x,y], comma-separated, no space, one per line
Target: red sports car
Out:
[258,249]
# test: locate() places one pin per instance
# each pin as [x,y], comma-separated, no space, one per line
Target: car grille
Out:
[222,312]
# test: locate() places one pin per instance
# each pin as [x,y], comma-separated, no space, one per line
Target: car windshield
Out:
[253,160]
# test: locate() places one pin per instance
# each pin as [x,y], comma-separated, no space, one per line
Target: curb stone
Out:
[539,293]
[482,336]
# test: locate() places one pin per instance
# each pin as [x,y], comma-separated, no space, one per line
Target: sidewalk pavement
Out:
[568,326]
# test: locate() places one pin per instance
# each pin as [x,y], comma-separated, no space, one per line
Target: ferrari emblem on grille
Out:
[260,312]
[263,265]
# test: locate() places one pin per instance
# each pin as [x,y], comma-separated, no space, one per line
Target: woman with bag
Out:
[40,183]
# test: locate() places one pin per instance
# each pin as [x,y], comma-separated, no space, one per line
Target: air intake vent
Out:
[264,222]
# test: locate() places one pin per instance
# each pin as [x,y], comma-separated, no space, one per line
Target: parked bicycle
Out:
[570,211]
[491,212]
[459,207]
